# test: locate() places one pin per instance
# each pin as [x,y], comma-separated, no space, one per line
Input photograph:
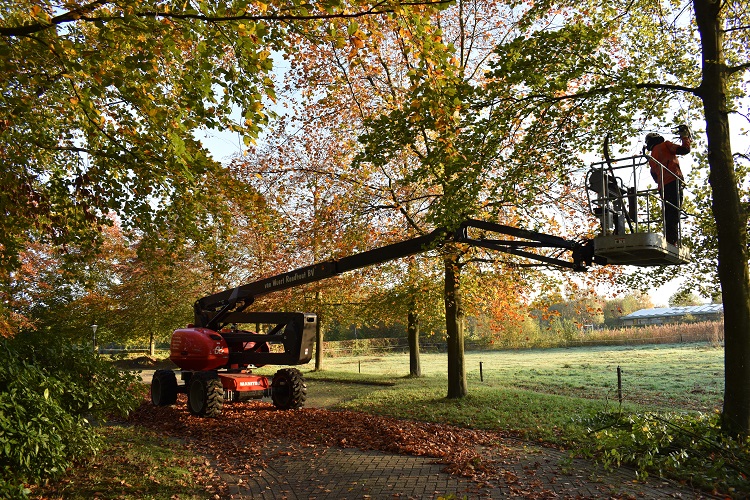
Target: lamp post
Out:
[93,329]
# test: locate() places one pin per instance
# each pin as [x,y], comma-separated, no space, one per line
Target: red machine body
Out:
[198,349]
[204,349]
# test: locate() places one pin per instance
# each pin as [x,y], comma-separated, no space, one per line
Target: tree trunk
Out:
[151,345]
[319,338]
[731,221]
[454,325]
[415,369]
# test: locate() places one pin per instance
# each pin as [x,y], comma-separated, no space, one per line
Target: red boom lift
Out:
[216,358]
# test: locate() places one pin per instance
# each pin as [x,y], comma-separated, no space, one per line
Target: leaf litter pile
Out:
[238,439]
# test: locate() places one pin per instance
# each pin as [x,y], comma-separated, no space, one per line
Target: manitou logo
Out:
[247,384]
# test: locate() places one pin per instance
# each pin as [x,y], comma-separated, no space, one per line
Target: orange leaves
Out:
[237,439]
[356,37]
[356,44]
[37,12]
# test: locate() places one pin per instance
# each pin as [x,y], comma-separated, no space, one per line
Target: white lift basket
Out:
[631,215]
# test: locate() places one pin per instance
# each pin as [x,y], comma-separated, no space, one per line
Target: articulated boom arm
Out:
[214,311]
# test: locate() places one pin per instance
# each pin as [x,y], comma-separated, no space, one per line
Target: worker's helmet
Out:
[652,139]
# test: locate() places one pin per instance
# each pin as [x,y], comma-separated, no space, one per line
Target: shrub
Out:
[50,394]
[690,447]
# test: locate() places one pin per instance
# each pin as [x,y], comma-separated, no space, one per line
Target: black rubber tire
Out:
[164,388]
[289,390]
[205,394]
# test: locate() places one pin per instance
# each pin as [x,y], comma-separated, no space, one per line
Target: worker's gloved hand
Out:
[683,131]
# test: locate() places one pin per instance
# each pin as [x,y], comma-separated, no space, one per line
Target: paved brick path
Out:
[336,473]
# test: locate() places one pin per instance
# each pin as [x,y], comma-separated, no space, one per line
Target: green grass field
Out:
[540,394]
[674,377]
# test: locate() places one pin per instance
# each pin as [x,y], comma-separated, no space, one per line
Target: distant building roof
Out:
[660,312]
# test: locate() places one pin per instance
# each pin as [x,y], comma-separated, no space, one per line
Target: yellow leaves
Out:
[248,30]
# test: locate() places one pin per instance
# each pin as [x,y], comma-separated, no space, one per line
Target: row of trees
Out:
[402,119]
[544,314]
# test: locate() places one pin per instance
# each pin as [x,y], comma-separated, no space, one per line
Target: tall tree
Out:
[430,156]
[623,68]
[730,213]
[460,154]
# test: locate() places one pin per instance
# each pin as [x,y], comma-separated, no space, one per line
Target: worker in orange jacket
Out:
[666,172]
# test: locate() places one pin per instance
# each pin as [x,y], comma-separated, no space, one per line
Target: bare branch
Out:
[736,28]
[737,69]
[605,90]
[666,86]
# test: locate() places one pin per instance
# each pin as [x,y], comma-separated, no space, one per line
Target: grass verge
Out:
[135,463]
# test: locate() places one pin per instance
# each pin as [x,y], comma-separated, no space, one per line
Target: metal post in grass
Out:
[481,374]
[619,385]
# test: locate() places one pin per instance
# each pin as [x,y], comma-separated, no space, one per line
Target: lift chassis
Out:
[216,363]
[216,357]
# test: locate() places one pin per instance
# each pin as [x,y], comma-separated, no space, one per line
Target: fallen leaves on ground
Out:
[248,434]
[238,438]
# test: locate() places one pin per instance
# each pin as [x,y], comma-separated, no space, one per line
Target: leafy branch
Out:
[71,16]
[82,14]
